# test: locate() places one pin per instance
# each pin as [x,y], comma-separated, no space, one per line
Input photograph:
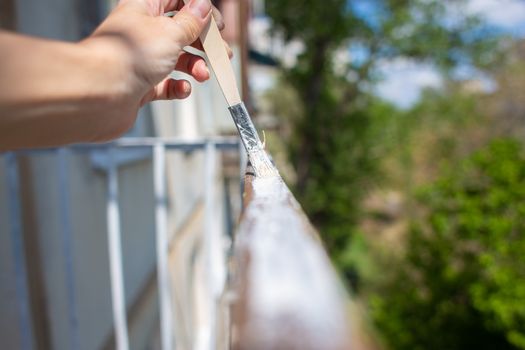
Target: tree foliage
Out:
[333,145]
[461,284]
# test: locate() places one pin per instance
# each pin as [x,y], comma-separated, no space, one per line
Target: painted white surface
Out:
[295,300]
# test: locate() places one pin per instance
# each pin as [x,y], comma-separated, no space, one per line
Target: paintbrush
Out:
[220,63]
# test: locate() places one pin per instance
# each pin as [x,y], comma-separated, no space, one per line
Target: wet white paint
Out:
[294,299]
[262,165]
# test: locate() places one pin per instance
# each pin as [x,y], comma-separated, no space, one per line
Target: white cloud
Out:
[404,80]
[503,13]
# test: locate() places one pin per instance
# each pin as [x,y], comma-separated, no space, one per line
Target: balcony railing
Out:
[288,295]
[282,292]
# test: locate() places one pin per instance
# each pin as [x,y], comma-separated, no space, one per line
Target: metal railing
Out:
[283,293]
[155,148]
[17,248]
[288,295]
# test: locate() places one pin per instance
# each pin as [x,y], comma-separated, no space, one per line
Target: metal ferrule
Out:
[244,125]
[262,165]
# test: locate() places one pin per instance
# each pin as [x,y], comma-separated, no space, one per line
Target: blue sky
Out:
[405,79]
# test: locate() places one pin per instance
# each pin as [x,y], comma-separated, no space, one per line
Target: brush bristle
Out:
[262,165]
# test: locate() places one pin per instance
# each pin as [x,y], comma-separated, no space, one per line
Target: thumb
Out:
[190,21]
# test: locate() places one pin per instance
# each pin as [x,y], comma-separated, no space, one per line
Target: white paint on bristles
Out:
[262,165]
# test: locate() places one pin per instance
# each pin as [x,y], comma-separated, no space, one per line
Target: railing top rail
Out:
[224,143]
[288,294]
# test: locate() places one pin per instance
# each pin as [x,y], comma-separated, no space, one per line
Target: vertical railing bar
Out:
[115,258]
[17,244]
[209,173]
[67,242]
[161,218]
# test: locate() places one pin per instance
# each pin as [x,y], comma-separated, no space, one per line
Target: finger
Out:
[176,5]
[172,5]
[190,21]
[194,66]
[171,89]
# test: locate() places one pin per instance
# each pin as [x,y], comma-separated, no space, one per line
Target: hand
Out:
[91,91]
[151,44]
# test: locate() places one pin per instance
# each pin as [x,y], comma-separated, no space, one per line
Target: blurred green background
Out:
[419,196]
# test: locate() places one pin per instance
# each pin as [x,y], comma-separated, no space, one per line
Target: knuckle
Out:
[187,28]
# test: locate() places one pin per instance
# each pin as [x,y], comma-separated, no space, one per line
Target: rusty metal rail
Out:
[287,294]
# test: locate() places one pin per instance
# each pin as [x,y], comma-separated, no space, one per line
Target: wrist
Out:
[111,77]
[112,66]
[116,43]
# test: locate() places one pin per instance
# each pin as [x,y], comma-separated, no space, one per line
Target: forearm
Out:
[54,93]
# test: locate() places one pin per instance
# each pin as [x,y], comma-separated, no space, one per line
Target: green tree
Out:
[506,105]
[461,283]
[333,146]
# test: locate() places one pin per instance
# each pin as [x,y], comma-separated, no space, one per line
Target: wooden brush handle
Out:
[220,62]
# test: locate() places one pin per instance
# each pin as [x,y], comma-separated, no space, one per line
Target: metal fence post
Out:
[161,219]
[67,242]
[17,245]
[115,258]
[210,242]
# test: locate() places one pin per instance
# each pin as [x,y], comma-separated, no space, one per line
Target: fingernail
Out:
[187,88]
[200,8]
